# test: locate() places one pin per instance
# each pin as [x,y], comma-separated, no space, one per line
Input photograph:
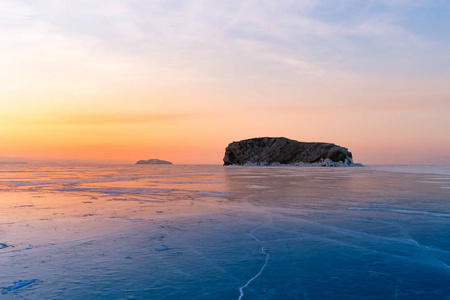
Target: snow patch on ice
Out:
[323,163]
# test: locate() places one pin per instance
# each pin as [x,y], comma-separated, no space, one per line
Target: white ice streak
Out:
[241,289]
[439,170]
[432,181]
[402,211]
[254,186]
[213,194]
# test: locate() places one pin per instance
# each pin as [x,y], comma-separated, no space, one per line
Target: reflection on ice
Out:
[116,190]
[202,232]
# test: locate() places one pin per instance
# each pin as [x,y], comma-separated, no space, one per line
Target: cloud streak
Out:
[98,119]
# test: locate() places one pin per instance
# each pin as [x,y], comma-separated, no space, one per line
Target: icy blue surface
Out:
[213,232]
[17,285]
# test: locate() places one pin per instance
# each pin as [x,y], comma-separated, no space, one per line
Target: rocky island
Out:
[153,161]
[270,151]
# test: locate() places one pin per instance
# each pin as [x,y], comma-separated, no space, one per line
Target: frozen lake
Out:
[213,232]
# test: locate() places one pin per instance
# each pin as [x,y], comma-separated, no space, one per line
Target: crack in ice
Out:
[241,289]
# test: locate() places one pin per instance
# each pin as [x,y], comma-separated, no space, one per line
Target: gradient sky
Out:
[179,80]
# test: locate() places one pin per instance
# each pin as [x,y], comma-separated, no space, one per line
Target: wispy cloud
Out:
[206,37]
[97,119]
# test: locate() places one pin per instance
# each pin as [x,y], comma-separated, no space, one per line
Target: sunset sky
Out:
[180,80]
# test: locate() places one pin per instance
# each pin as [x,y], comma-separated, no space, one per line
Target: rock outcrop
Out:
[283,151]
[153,161]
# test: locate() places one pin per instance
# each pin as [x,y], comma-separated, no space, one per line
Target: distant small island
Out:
[274,151]
[153,161]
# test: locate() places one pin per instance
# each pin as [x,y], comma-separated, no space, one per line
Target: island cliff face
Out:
[283,151]
[153,161]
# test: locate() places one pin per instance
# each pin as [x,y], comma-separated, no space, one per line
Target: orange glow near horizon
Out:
[107,87]
[202,138]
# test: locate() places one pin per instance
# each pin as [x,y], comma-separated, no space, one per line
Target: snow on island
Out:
[275,151]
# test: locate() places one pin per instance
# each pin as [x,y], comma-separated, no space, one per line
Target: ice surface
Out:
[205,232]
[253,186]
[403,211]
[263,251]
[17,285]
[213,194]
[116,190]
